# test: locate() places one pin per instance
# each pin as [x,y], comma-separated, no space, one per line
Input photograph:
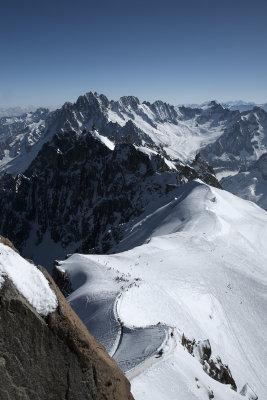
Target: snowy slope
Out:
[21,137]
[28,280]
[181,135]
[195,262]
[250,184]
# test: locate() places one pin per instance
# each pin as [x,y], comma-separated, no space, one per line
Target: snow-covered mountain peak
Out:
[95,97]
[229,140]
[213,103]
[180,131]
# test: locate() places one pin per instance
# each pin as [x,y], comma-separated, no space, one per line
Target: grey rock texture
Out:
[52,358]
[198,169]
[241,144]
[80,192]
[214,367]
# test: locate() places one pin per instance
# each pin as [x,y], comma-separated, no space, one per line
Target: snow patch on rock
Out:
[28,279]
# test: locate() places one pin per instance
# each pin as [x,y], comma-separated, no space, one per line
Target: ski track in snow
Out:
[129,345]
[168,345]
[195,263]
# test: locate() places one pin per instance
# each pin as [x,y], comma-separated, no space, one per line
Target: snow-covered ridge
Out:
[30,282]
[199,257]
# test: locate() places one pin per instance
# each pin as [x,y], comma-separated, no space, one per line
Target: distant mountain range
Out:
[239,105]
[228,139]
[18,111]
[232,105]
[15,111]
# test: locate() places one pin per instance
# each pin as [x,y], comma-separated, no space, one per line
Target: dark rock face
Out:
[261,166]
[54,358]
[198,169]
[205,171]
[214,367]
[62,280]
[79,191]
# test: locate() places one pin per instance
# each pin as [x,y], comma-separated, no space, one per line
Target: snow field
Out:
[198,264]
[181,140]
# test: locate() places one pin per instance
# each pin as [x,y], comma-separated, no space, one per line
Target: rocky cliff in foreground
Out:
[52,357]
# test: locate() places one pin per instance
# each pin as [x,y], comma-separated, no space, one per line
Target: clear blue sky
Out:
[178,51]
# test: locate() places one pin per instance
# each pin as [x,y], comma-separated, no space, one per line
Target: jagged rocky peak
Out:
[67,105]
[217,108]
[38,114]
[48,355]
[188,113]
[129,101]
[197,169]
[260,111]
[94,98]
[215,104]
[205,171]
[164,112]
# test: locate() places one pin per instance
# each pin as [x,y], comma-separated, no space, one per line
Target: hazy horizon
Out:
[53,106]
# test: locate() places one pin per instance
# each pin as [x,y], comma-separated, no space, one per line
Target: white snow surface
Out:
[30,282]
[200,255]
[182,140]
[108,143]
[150,153]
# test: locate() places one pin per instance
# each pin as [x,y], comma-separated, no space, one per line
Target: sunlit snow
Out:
[28,280]
[197,264]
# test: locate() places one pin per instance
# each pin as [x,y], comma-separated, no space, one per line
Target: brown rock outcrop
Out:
[52,358]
